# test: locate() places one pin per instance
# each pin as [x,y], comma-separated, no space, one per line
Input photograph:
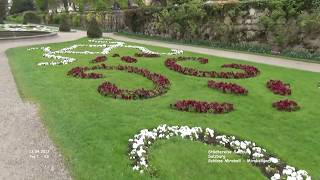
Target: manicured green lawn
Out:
[92,131]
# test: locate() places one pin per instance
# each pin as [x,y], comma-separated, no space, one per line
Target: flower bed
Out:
[79,72]
[142,54]
[202,107]
[278,87]
[99,59]
[161,83]
[227,87]
[272,167]
[286,105]
[249,71]
[128,59]
[106,44]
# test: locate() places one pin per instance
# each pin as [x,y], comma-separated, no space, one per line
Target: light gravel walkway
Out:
[26,151]
[314,67]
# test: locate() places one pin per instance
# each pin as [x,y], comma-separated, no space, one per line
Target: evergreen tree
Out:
[19,6]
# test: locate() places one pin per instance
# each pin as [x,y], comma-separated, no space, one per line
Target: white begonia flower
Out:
[276,176]
[273,160]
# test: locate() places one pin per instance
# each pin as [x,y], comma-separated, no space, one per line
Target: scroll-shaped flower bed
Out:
[144,54]
[202,107]
[99,59]
[249,71]
[128,59]
[227,87]
[272,167]
[161,83]
[286,105]
[278,87]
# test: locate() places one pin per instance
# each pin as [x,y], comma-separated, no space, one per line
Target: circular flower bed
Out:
[128,59]
[286,105]
[202,107]
[161,83]
[249,71]
[272,167]
[278,87]
[227,87]
[143,54]
[99,59]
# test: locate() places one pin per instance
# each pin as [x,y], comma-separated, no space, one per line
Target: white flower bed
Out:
[107,44]
[139,145]
[28,27]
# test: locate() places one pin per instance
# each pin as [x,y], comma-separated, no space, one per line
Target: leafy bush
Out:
[31,17]
[17,18]
[94,30]
[64,23]
[76,20]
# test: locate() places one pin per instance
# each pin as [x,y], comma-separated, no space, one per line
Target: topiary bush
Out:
[31,17]
[93,30]
[64,23]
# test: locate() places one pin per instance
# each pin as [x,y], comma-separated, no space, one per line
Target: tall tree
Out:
[19,6]
[3,10]
[42,5]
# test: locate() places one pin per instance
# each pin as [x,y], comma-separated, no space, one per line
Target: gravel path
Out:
[314,67]
[26,151]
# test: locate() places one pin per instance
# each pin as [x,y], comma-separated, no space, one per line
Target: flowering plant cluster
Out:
[80,72]
[286,105]
[161,84]
[142,54]
[106,44]
[202,107]
[227,87]
[249,71]
[203,60]
[272,167]
[128,59]
[278,87]
[147,51]
[99,59]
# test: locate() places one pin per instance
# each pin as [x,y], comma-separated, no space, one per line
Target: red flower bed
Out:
[99,59]
[161,83]
[202,107]
[115,55]
[228,87]
[128,59]
[79,72]
[249,71]
[203,60]
[278,87]
[142,54]
[286,105]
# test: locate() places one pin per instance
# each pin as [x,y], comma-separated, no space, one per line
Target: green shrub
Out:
[93,30]
[17,18]
[64,23]
[76,20]
[31,17]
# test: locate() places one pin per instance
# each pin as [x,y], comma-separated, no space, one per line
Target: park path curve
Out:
[306,66]
[22,133]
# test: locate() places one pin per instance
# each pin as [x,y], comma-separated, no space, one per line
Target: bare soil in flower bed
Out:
[92,131]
